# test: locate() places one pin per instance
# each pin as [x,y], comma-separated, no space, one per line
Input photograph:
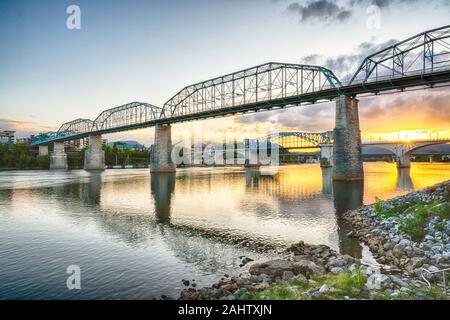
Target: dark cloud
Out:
[311,59]
[336,11]
[314,118]
[381,3]
[346,64]
[324,10]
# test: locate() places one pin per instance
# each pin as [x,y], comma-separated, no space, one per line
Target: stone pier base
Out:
[160,157]
[94,157]
[347,153]
[58,158]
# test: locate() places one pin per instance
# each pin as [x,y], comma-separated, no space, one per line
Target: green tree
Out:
[22,154]
[43,162]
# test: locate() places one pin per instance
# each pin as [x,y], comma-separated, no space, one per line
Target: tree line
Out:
[25,156]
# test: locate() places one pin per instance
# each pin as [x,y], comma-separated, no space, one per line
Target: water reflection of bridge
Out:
[135,226]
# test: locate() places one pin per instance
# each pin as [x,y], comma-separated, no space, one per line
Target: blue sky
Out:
[148,50]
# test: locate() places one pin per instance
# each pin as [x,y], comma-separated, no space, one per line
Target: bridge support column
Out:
[58,158]
[403,161]
[160,158]
[347,153]
[43,151]
[94,157]
[326,155]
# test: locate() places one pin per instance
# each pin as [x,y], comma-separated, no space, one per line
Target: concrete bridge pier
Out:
[161,153]
[94,157]
[403,161]
[43,151]
[347,151]
[326,155]
[58,158]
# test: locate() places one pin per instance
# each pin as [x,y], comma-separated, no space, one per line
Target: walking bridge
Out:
[420,61]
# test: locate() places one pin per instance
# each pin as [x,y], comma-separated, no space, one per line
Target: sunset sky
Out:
[148,50]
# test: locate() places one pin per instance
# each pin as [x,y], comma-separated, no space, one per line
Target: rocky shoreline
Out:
[387,230]
[405,234]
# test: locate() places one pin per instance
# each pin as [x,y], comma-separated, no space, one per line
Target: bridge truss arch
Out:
[426,52]
[299,140]
[257,85]
[75,127]
[134,114]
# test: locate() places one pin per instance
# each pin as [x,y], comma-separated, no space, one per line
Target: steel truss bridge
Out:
[292,140]
[422,60]
[301,140]
[285,140]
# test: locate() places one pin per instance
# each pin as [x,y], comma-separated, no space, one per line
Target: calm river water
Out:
[137,236]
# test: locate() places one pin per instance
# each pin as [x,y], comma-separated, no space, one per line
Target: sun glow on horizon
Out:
[408,135]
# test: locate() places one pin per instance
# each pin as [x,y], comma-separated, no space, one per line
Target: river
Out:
[136,236]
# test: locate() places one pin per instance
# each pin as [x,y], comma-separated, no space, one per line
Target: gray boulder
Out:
[378,281]
[273,268]
[308,268]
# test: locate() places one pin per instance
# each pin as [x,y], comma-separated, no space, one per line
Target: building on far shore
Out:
[80,144]
[127,145]
[26,140]
[7,137]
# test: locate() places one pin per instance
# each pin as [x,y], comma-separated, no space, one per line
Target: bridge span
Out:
[420,61]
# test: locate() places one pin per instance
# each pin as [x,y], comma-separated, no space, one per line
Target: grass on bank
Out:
[431,293]
[421,214]
[343,284]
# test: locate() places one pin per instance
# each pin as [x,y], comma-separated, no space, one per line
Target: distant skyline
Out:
[148,50]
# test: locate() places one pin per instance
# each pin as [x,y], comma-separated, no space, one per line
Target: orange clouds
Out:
[425,110]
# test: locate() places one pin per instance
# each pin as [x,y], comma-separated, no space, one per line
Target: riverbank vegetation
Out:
[415,215]
[326,287]
[342,286]
[124,157]
[23,156]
